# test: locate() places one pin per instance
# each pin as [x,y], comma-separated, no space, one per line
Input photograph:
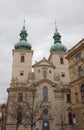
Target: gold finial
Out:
[24,23]
[55,26]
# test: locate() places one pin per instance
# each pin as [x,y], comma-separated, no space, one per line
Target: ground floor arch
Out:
[45,125]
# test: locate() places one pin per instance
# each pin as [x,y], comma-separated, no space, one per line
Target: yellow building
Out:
[49,79]
[75,57]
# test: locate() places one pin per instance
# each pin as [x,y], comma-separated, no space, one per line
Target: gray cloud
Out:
[40,16]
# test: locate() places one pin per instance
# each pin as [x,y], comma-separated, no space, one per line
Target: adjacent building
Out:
[50,80]
[75,57]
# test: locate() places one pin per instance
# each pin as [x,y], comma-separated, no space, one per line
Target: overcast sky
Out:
[40,17]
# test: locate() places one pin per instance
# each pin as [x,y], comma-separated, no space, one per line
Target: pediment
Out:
[44,62]
[47,81]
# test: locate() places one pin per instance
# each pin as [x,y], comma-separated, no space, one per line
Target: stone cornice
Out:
[19,89]
[45,80]
[75,49]
[80,79]
[55,53]
[77,106]
[23,51]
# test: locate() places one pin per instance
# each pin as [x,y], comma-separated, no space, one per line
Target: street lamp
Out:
[3,109]
[0,120]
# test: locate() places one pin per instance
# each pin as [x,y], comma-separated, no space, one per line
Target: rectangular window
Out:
[68,98]
[20,97]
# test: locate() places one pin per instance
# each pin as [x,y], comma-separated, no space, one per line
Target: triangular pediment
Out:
[47,81]
[43,62]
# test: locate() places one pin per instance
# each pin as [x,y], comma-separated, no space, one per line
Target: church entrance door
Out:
[45,125]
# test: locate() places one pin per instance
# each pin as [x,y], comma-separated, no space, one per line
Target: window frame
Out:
[22,59]
[82,93]
[20,97]
[45,93]
[61,60]
[68,98]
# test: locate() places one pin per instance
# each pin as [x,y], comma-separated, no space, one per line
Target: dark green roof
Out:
[23,44]
[58,46]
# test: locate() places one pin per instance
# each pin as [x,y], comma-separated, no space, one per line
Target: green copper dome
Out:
[58,46]
[23,44]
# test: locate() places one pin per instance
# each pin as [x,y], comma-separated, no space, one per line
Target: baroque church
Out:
[50,80]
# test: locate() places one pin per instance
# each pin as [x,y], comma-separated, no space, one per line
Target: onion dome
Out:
[58,46]
[23,44]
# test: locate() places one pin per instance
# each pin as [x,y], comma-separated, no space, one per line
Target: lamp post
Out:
[0,120]
[3,116]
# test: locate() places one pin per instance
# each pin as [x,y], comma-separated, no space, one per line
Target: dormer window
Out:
[22,58]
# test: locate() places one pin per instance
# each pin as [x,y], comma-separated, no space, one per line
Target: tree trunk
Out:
[31,127]
[17,126]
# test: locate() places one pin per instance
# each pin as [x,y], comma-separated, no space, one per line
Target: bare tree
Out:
[28,111]
[61,115]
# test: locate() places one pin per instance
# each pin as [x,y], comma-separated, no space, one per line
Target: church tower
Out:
[22,58]
[57,56]
[21,71]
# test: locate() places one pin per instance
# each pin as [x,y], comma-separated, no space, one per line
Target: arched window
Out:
[20,97]
[61,60]
[82,92]
[22,58]
[19,117]
[45,93]
[70,118]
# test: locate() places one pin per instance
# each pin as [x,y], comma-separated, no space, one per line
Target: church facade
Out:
[50,80]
